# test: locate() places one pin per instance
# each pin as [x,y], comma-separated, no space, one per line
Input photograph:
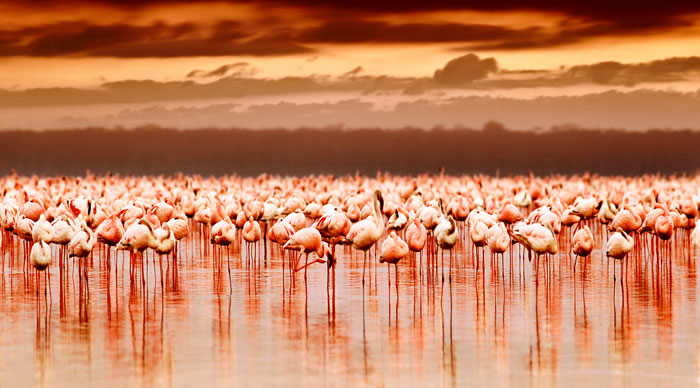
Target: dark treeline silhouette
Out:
[492,150]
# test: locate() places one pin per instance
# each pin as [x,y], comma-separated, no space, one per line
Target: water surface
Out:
[494,327]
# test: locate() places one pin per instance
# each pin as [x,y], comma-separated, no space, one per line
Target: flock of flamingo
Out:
[536,219]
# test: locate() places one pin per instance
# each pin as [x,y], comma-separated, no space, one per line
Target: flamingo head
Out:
[330,260]
[380,198]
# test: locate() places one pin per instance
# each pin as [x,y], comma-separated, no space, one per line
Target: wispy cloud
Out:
[466,73]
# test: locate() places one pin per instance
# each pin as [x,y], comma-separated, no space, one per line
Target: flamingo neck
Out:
[379,221]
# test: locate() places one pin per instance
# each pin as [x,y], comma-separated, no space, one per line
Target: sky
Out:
[273,63]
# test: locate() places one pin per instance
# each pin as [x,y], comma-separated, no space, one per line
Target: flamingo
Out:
[32,209]
[165,242]
[309,240]
[42,230]
[393,249]
[416,237]
[586,207]
[364,234]
[536,237]
[498,239]
[110,232]
[23,229]
[509,214]
[163,210]
[296,219]
[607,212]
[627,220]
[81,246]
[223,233]
[279,234]
[695,236]
[63,231]
[447,236]
[41,259]
[478,232]
[334,226]
[398,220]
[137,238]
[582,244]
[619,245]
[251,233]
[40,255]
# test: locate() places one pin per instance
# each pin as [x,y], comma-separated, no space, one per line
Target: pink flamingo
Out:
[367,232]
[393,250]
[306,241]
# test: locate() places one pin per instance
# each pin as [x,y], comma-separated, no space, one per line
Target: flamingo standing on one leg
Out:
[64,229]
[110,232]
[280,233]
[416,237]
[165,242]
[393,250]
[619,245]
[40,260]
[583,245]
[478,232]
[81,246]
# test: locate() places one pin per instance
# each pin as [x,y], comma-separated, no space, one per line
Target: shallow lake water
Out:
[499,325]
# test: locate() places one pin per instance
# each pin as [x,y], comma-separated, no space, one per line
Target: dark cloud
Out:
[362,31]
[624,12]
[465,69]
[615,73]
[471,72]
[141,91]
[237,69]
[584,20]
[476,37]
[352,73]
[130,41]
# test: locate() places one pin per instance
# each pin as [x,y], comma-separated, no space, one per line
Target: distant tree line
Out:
[492,150]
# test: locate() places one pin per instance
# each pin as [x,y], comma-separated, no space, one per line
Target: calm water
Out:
[495,328]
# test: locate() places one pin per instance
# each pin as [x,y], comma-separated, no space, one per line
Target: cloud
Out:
[641,109]
[158,39]
[468,72]
[465,69]
[298,25]
[141,91]
[364,31]
[238,69]
[633,14]
[475,37]
[352,73]
[615,73]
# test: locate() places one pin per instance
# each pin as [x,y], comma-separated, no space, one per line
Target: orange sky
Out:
[344,46]
[300,39]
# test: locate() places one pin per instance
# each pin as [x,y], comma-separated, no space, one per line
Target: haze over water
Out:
[501,328]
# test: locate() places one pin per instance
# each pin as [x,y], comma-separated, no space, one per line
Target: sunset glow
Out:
[358,48]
